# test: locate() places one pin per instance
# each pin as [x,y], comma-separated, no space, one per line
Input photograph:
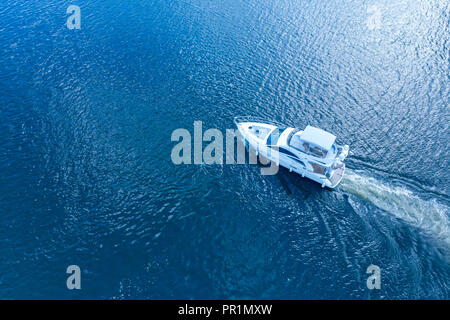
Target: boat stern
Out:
[336,177]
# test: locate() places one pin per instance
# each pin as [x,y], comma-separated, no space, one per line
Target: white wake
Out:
[428,215]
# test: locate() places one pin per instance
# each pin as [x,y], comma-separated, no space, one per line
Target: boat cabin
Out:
[313,141]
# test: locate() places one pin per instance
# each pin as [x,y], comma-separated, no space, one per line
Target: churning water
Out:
[429,216]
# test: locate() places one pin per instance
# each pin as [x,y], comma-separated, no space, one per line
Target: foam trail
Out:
[428,215]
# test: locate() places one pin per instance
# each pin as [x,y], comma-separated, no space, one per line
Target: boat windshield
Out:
[274,136]
[295,141]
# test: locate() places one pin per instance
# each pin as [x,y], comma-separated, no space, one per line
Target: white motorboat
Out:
[311,152]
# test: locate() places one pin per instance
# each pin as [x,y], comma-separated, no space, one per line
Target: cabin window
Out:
[318,169]
[287,152]
[317,152]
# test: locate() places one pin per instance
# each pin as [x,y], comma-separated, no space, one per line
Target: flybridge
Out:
[318,137]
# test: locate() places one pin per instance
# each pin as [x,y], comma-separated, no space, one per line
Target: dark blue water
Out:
[86,176]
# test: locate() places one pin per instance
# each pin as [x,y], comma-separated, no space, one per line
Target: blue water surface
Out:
[86,175]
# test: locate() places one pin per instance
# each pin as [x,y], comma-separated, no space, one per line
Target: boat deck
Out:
[337,177]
